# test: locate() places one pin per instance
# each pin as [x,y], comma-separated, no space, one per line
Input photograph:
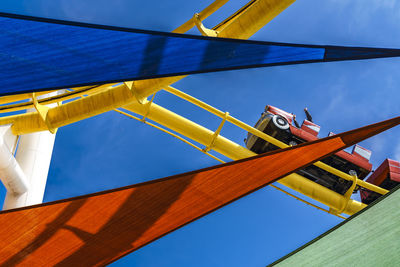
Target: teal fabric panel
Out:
[370,238]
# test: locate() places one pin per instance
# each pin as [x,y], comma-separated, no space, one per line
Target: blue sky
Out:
[109,150]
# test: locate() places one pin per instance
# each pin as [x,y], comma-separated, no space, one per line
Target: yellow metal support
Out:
[202,29]
[100,102]
[347,196]
[216,133]
[148,104]
[132,88]
[43,111]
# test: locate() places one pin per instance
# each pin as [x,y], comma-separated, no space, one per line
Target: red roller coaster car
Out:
[387,176]
[284,127]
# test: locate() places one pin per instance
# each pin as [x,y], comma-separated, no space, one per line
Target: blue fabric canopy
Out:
[39,54]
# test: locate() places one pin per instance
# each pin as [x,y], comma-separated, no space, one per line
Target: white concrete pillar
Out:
[33,155]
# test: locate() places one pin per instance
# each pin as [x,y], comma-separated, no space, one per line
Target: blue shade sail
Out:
[40,54]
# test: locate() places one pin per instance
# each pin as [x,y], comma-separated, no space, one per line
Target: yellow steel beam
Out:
[42,111]
[103,101]
[202,29]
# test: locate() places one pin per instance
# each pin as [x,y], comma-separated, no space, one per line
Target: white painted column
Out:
[11,173]
[34,156]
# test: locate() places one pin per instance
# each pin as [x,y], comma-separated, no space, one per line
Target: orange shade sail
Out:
[99,228]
